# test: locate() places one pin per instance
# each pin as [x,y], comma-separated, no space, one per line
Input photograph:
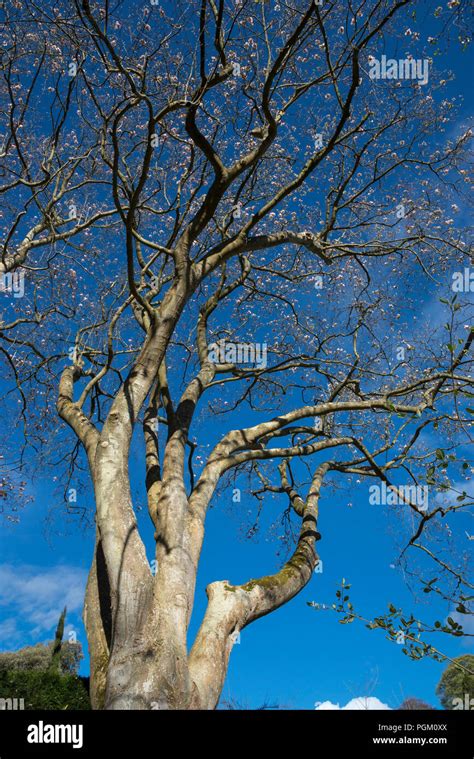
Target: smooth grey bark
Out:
[137,624]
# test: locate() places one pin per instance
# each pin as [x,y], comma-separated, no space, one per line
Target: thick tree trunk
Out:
[137,623]
[149,666]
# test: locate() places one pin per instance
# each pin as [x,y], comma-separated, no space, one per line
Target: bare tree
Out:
[216,202]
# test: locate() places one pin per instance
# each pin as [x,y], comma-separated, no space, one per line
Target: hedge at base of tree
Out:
[45,690]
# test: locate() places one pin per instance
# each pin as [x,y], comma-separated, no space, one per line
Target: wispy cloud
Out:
[8,630]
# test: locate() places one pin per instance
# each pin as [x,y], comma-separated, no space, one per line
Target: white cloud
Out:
[449,496]
[35,596]
[8,629]
[361,702]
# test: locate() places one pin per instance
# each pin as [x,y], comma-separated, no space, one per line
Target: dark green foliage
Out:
[45,676]
[55,664]
[45,690]
[457,682]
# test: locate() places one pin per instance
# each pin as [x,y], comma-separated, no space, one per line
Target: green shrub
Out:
[39,657]
[45,690]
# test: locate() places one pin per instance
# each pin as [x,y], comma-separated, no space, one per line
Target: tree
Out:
[455,689]
[192,181]
[55,663]
[415,704]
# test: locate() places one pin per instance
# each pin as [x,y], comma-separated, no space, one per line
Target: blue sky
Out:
[296,656]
